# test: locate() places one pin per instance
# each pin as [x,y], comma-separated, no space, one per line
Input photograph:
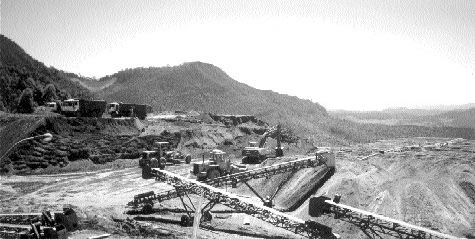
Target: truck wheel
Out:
[214,173]
[162,162]
[207,216]
[245,160]
[185,220]
[188,159]
[147,208]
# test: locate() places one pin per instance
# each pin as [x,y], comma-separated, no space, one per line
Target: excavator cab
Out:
[256,153]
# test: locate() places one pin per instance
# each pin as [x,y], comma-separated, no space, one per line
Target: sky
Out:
[348,54]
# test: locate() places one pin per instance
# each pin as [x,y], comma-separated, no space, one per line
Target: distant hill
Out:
[461,117]
[205,87]
[19,71]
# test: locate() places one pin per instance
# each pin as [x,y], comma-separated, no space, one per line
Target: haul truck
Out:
[119,109]
[82,108]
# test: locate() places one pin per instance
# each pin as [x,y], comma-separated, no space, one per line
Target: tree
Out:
[49,93]
[2,107]
[26,104]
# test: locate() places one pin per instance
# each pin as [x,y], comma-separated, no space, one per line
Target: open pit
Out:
[423,181]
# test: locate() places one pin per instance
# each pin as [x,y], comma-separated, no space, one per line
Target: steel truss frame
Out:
[234,179]
[374,225]
[309,229]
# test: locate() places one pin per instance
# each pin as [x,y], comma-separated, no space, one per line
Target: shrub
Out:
[77,154]
[25,104]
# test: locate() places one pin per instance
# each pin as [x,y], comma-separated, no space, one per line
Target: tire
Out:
[147,208]
[185,220]
[188,159]
[213,173]
[162,162]
[207,217]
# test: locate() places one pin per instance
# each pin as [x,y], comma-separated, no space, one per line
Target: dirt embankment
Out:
[430,187]
[104,140]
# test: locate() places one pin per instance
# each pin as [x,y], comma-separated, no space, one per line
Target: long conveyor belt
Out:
[310,229]
[233,179]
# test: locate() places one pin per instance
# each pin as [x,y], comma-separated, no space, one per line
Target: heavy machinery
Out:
[255,154]
[215,167]
[83,108]
[324,160]
[149,160]
[119,109]
[207,189]
[372,224]
[52,106]
[177,157]
[45,225]
[153,159]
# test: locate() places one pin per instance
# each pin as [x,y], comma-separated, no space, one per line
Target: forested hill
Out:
[200,86]
[205,87]
[22,74]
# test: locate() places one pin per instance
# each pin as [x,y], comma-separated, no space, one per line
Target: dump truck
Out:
[119,109]
[255,154]
[83,108]
[216,166]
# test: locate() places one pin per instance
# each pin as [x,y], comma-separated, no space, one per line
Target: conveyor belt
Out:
[307,228]
[236,178]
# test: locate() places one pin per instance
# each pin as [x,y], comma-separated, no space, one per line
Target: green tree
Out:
[26,104]
[2,107]
[49,93]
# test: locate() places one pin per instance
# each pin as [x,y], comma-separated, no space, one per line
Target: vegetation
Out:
[25,103]
[461,118]
[19,71]
[204,87]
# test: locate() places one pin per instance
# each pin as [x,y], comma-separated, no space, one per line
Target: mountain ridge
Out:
[19,71]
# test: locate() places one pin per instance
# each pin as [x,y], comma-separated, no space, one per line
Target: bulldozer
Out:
[255,154]
[218,165]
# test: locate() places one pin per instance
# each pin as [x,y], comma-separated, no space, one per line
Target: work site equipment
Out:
[153,159]
[255,154]
[38,225]
[82,108]
[177,157]
[324,159]
[119,109]
[372,224]
[219,196]
[216,166]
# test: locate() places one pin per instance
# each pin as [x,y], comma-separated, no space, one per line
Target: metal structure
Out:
[43,225]
[373,225]
[148,198]
[257,153]
[215,196]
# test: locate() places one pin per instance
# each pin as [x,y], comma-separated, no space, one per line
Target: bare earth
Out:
[430,188]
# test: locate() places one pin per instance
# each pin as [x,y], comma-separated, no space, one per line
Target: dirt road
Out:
[426,186]
[99,196]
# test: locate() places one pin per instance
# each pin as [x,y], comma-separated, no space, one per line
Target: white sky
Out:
[357,55]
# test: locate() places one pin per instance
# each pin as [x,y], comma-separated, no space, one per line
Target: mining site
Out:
[306,119]
[92,165]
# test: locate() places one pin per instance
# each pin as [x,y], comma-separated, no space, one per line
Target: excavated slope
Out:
[433,189]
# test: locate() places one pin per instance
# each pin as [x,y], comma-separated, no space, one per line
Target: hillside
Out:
[19,71]
[462,118]
[205,87]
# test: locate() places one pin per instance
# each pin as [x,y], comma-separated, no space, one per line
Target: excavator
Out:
[256,154]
